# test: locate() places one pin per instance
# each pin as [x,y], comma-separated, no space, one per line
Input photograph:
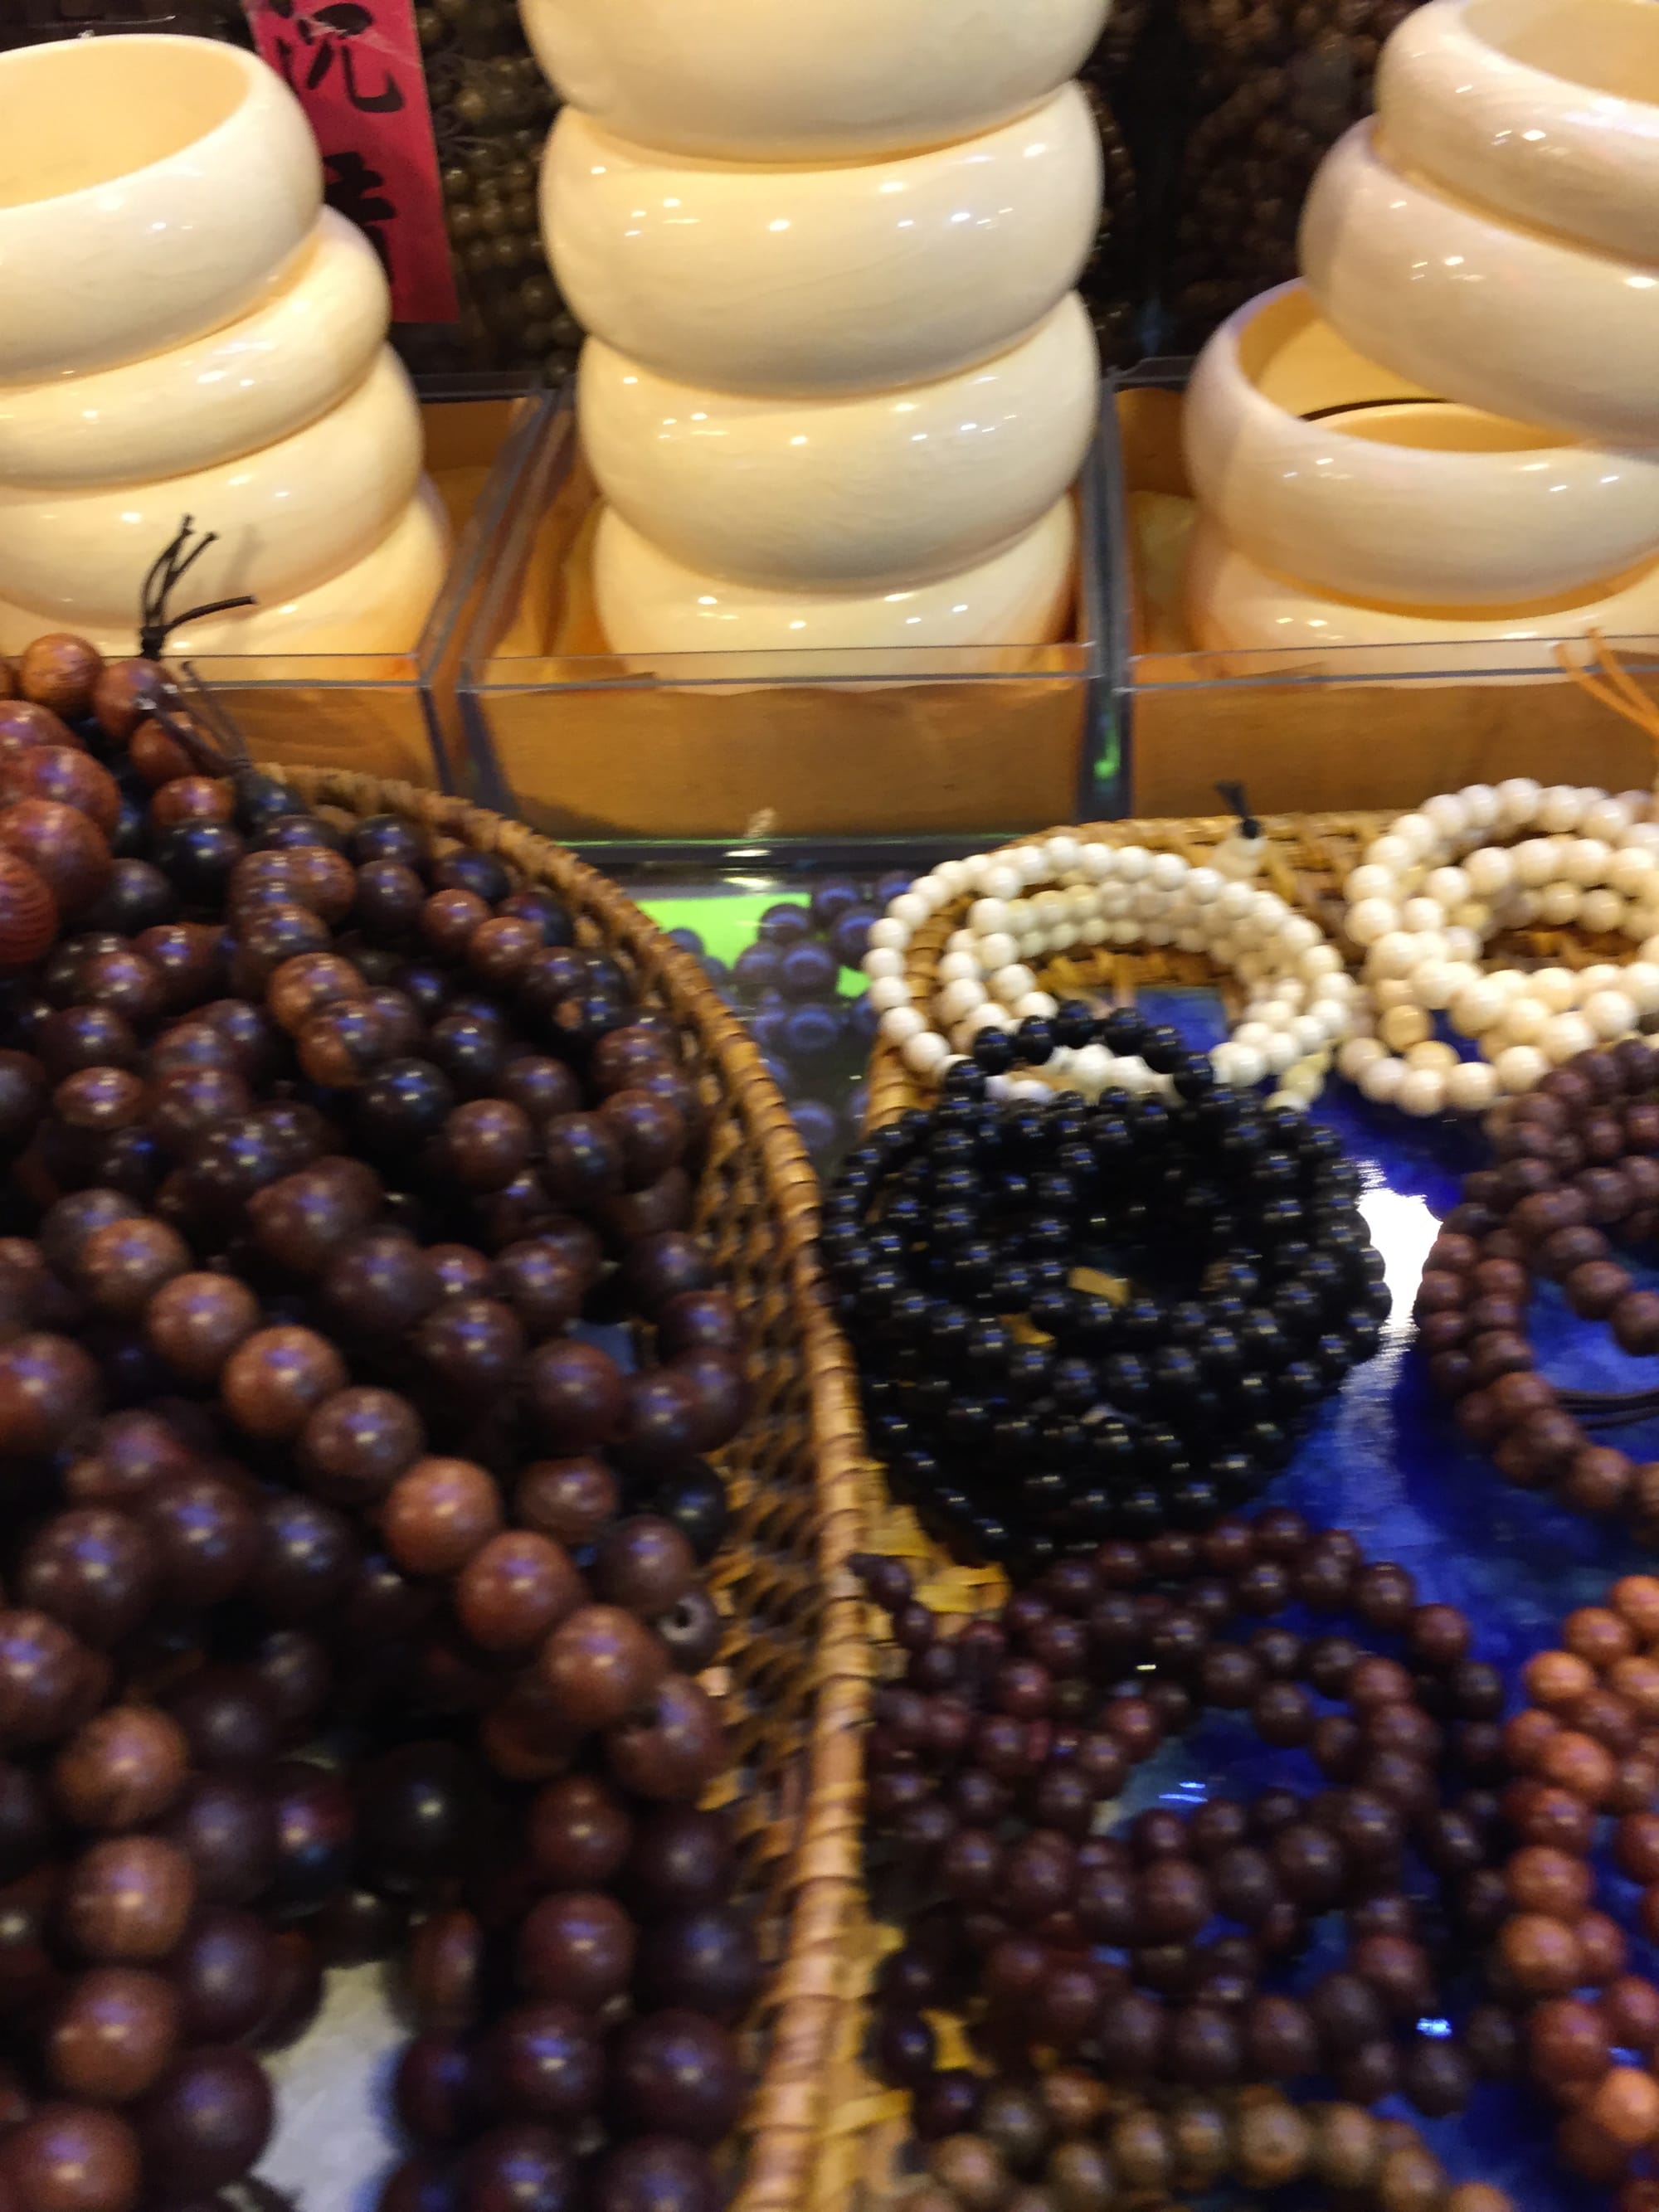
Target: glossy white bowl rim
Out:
[1404,525]
[1035,573]
[1562,152]
[130,264]
[1453,298]
[379,605]
[287,517]
[297,353]
[1320,630]
[817,80]
[893,487]
[823,277]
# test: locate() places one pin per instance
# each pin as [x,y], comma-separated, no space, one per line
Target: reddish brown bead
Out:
[128,1898]
[439,1514]
[113,2035]
[197,1320]
[72,2158]
[122,1769]
[276,1378]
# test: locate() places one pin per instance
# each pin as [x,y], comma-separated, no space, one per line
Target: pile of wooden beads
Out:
[1573,1168]
[320,1502]
[1444,879]
[1063,2143]
[1032,901]
[1591,2031]
[992,1758]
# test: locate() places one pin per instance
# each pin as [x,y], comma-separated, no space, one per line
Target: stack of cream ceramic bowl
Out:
[1449,431]
[187,329]
[838,386]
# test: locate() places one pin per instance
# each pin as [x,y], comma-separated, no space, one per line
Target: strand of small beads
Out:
[1066,2144]
[252,995]
[1574,1166]
[991,1759]
[954,1238]
[1431,891]
[1585,1752]
[1038,899]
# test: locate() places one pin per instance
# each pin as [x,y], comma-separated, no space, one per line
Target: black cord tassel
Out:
[1235,796]
[166,572]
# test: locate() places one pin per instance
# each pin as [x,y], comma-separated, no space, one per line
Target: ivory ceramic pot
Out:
[811,279]
[1439,290]
[1233,604]
[1321,463]
[287,517]
[822,79]
[150,188]
[903,484]
[380,603]
[297,353]
[650,604]
[1545,109]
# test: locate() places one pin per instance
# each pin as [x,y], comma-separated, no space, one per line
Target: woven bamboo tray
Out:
[1309,857]
[794,1673]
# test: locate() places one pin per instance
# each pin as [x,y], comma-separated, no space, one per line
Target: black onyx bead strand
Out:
[1134,1301]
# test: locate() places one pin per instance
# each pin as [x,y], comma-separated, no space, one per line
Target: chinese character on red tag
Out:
[354,66]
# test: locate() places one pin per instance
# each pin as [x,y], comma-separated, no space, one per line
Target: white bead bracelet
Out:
[1060,893]
[1438,884]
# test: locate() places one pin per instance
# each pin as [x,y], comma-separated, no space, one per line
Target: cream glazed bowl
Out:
[902,484]
[151,187]
[1234,604]
[286,516]
[649,603]
[1320,464]
[379,604]
[820,80]
[816,279]
[243,386]
[1548,109]
[1527,325]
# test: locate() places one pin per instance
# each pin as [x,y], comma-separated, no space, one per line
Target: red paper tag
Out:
[354,67]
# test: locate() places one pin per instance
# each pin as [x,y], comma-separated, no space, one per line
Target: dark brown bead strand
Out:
[1273,1865]
[1553,1207]
[1564,1960]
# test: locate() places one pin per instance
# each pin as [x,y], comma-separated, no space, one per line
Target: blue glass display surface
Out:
[1382,1459]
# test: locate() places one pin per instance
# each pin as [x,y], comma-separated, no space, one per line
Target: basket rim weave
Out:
[809,1990]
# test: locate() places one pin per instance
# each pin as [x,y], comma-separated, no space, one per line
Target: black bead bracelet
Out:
[1027,1414]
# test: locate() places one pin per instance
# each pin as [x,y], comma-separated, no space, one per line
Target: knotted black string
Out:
[166,572]
[1609,1409]
[1234,795]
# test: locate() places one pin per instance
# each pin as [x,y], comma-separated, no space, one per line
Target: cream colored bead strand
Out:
[1446,878]
[1037,900]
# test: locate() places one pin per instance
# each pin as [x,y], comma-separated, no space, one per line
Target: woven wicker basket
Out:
[794,1668]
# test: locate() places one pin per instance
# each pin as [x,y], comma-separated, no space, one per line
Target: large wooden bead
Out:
[49,1387]
[60,670]
[65,849]
[66,774]
[24,724]
[72,2158]
[128,1899]
[206,2122]
[123,693]
[29,913]
[124,1768]
[113,2034]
